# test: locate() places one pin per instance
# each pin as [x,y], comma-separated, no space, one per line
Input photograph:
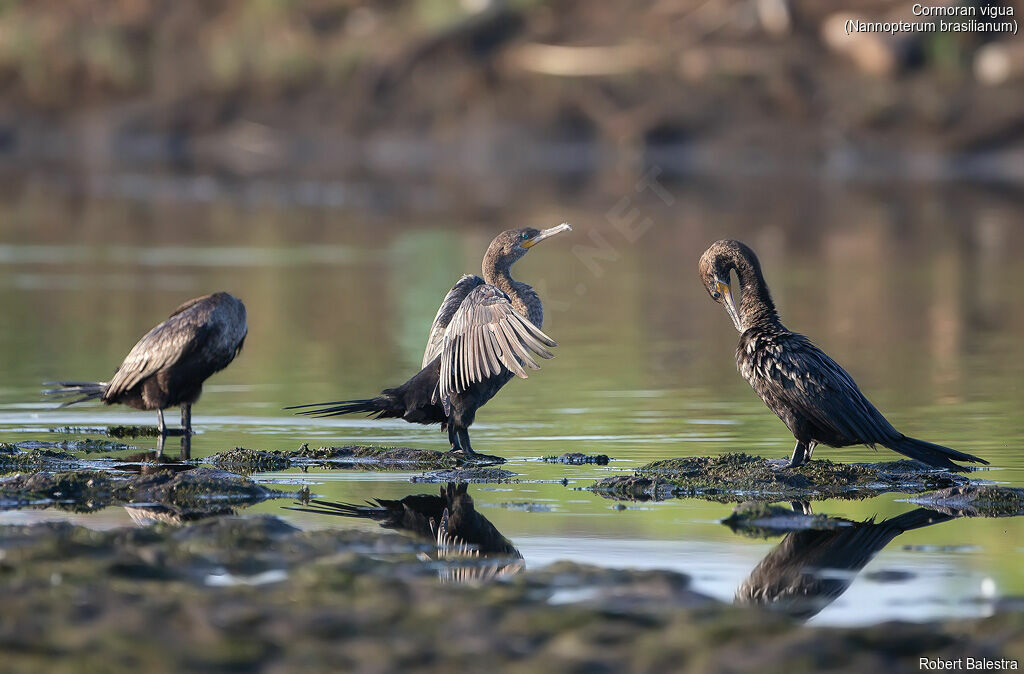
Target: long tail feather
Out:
[379,406]
[79,390]
[932,454]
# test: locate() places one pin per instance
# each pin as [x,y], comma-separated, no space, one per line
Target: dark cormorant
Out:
[448,519]
[799,576]
[485,331]
[168,366]
[810,392]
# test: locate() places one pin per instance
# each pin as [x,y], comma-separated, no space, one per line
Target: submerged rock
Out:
[357,457]
[741,477]
[976,501]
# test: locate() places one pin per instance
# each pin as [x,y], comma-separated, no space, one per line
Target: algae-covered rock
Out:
[635,488]
[976,501]
[85,490]
[244,460]
[13,458]
[741,477]
[112,431]
[133,431]
[356,457]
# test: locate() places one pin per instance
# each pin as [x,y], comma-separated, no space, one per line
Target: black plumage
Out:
[811,568]
[168,366]
[486,331]
[448,519]
[816,398]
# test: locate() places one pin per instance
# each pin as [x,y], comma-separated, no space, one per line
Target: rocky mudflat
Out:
[256,594]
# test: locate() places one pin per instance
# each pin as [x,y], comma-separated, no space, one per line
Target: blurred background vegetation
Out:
[340,87]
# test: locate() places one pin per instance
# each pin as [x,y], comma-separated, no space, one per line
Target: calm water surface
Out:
[916,291]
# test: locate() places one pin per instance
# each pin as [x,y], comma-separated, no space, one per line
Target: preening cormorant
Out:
[486,330]
[448,519]
[811,568]
[168,366]
[815,397]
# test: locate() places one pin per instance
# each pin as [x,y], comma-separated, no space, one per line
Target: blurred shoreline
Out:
[741,88]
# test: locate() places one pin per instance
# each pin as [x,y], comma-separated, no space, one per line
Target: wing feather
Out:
[484,337]
[452,301]
[162,346]
[806,378]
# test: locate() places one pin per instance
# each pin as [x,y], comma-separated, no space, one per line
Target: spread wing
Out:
[798,373]
[452,301]
[162,346]
[485,337]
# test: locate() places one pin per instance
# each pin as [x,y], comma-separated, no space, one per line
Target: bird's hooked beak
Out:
[546,234]
[729,301]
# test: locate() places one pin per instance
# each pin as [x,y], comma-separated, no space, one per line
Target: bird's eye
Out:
[716,294]
[526,235]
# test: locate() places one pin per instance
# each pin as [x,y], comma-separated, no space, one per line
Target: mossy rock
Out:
[13,459]
[199,489]
[112,431]
[975,501]
[741,477]
[355,457]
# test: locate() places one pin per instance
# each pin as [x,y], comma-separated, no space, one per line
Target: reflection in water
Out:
[811,568]
[184,454]
[145,515]
[448,519]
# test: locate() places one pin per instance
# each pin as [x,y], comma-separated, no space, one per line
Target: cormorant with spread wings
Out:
[170,363]
[486,330]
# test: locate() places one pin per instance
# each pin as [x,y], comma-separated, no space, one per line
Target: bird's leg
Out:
[160,425]
[810,448]
[464,442]
[186,419]
[160,440]
[799,455]
[453,438]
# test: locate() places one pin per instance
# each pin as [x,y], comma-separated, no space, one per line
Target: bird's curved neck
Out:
[756,306]
[524,298]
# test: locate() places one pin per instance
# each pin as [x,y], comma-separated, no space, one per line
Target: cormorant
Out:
[168,366]
[448,519]
[799,576]
[815,397]
[485,331]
